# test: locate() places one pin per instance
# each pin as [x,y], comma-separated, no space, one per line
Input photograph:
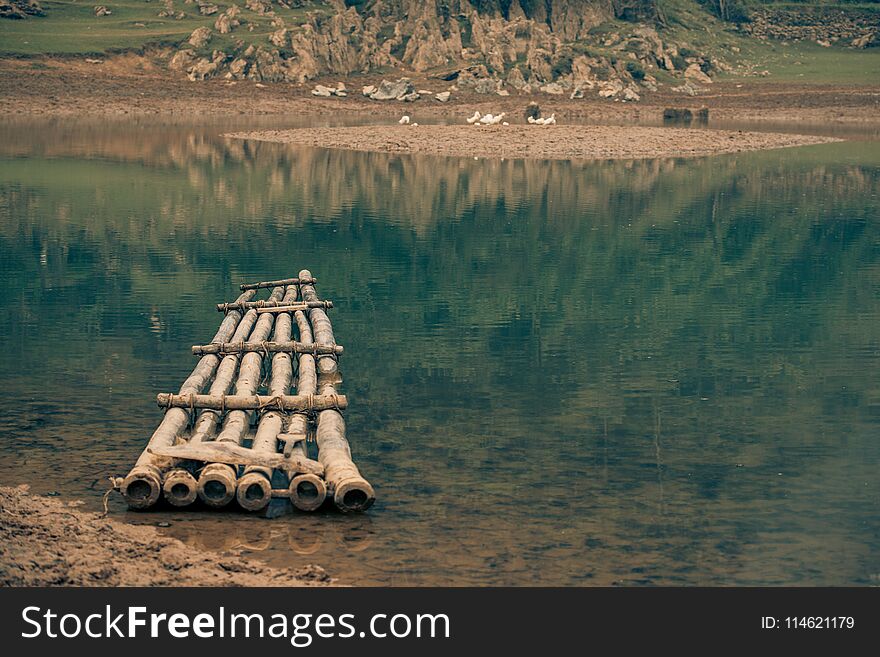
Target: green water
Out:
[661,371]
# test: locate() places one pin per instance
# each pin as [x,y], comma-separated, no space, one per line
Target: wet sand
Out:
[48,542]
[556,142]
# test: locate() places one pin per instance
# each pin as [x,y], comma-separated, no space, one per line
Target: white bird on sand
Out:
[487,119]
[497,119]
[540,121]
[532,120]
[404,120]
[474,118]
[550,120]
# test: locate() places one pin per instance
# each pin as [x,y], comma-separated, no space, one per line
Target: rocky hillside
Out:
[488,46]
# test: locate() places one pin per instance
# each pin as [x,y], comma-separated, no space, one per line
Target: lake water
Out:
[560,373]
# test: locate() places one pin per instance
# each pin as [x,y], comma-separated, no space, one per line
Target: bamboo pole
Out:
[284,403]
[254,491]
[351,492]
[180,486]
[307,492]
[283,281]
[218,480]
[266,346]
[291,305]
[142,486]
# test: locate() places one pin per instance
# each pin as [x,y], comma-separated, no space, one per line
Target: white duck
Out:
[532,120]
[497,119]
[404,120]
[474,118]
[550,120]
[487,119]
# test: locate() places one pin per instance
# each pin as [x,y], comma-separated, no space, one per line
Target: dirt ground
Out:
[542,142]
[47,542]
[136,84]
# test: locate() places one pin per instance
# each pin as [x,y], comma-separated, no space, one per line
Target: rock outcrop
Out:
[487,46]
[17,9]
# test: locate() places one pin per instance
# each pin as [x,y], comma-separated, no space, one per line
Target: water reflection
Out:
[561,373]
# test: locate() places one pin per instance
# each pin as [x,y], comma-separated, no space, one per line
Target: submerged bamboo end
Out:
[216,486]
[180,488]
[307,492]
[354,495]
[254,491]
[142,487]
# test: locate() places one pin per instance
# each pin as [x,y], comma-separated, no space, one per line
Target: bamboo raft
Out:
[232,434]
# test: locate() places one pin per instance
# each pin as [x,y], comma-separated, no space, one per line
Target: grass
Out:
[71,28]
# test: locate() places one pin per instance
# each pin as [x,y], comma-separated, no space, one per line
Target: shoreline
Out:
[558,142]
[47,542]
[133,85]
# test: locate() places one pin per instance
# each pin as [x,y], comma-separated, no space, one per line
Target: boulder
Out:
[694,72]
[486,86]
[393,90]
[516,79]
[200,37]
[443,96]
[228,20]
[631,94]
[865,41]
[101,10]
[321,90]
[688,88]
[203,69]
[553,88]
[279,38]
[183,60]
[369,89]
[208,9]
[503,92]
[237,69]
[409,98]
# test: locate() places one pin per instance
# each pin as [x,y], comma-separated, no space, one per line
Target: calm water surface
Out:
[662,371]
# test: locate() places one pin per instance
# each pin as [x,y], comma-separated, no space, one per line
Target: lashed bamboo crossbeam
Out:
[283,403]
[232,454]
[282,282]
[218,480]
[351,492]
[179,485]
[307,492]
[254,491]
[141,488]
[272,306]
[266,346]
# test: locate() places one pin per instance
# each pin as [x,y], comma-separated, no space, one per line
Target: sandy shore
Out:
[46,542]
[528,141]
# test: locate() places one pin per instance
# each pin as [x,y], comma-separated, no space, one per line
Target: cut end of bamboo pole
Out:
[307,492]
[254,491]
[142,487]
[354,495]
[217,485]
[180,488]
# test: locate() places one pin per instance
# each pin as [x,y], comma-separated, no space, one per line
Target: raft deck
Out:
[260,416]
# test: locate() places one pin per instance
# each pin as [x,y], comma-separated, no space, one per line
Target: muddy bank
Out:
[130,85]
[558,142]
[47,542]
